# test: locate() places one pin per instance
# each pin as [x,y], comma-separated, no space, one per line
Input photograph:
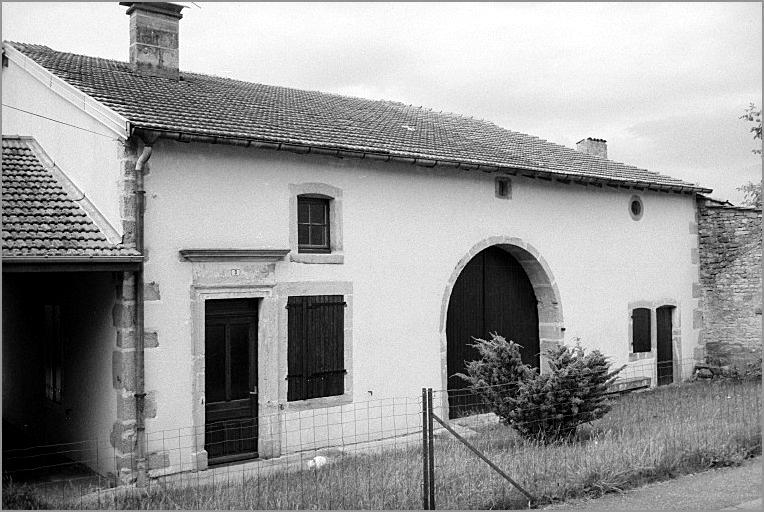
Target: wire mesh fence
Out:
[54,473]
[370,454]
[364,454]
[646,436]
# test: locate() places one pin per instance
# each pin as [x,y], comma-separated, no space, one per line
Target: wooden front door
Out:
[230,379]
[492,294]
[665,359]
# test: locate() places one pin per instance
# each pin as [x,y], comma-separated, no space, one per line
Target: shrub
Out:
[544,407]
[495,377]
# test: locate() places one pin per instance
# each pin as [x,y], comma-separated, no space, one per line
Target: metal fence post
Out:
[425,455]
[431,455]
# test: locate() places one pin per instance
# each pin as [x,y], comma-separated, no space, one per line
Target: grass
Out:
[648,436]
[20,496]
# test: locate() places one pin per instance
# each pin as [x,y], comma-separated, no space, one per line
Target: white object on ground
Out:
[317,462]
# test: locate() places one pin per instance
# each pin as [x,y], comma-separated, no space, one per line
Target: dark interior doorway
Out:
[231,424]
[665,359]
[492,294]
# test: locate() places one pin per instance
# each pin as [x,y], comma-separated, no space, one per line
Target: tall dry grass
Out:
[647,436]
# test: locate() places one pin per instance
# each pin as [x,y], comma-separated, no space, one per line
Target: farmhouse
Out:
[190,253]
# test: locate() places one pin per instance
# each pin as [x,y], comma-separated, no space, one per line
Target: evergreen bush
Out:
[545,407]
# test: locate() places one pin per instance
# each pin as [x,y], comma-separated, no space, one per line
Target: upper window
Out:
[503,187]
[641,330]
[315,346]
[313,224]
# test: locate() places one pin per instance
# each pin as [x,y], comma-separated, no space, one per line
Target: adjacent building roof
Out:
[42,220]
[226,109]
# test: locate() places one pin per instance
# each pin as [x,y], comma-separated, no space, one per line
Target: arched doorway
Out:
[501,286]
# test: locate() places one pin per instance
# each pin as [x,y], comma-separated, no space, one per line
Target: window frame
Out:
[334,196]
[281,292]
[676,338]
[311,199]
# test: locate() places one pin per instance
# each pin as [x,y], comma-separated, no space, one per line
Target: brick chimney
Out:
[594,147]
[154,37]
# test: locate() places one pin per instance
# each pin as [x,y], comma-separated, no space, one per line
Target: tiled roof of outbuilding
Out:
[39,217]
[212,106]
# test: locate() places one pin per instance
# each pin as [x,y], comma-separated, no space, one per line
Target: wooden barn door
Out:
[465,320]
[492,294]
[665,359]
[230,379]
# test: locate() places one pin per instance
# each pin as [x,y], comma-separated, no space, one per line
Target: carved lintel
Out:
[262,255]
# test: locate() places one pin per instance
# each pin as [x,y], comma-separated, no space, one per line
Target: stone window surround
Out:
[272,332]
[282,292]
[676,339]
[212,279]
[323,190]
[551,326]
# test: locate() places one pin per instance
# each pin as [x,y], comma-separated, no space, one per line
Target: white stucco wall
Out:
[405,230]
[88,159]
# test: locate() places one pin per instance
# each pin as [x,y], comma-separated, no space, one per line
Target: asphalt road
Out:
[711,490]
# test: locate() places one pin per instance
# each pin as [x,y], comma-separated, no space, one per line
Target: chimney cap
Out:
[166,8]
[592,139]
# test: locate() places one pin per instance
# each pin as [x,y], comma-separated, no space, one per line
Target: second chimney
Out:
[594,147]
[154,28]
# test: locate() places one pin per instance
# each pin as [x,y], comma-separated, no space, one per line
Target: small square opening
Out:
[503,188]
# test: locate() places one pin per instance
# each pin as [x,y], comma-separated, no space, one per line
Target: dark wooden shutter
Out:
[316,351]
[640,319]
[296,344]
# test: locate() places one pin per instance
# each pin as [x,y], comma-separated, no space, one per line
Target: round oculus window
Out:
[635,207]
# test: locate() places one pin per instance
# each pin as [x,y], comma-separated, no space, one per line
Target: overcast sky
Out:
[664,83]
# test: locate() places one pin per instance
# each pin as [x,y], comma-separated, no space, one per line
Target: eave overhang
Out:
[360,152]
[71,263]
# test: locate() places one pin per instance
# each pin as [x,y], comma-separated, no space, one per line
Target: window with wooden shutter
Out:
[315,352]
[640,321]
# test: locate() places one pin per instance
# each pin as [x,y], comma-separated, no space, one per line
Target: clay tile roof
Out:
[220,107]
[39,217]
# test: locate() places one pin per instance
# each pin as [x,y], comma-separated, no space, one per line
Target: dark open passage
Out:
[492,294]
